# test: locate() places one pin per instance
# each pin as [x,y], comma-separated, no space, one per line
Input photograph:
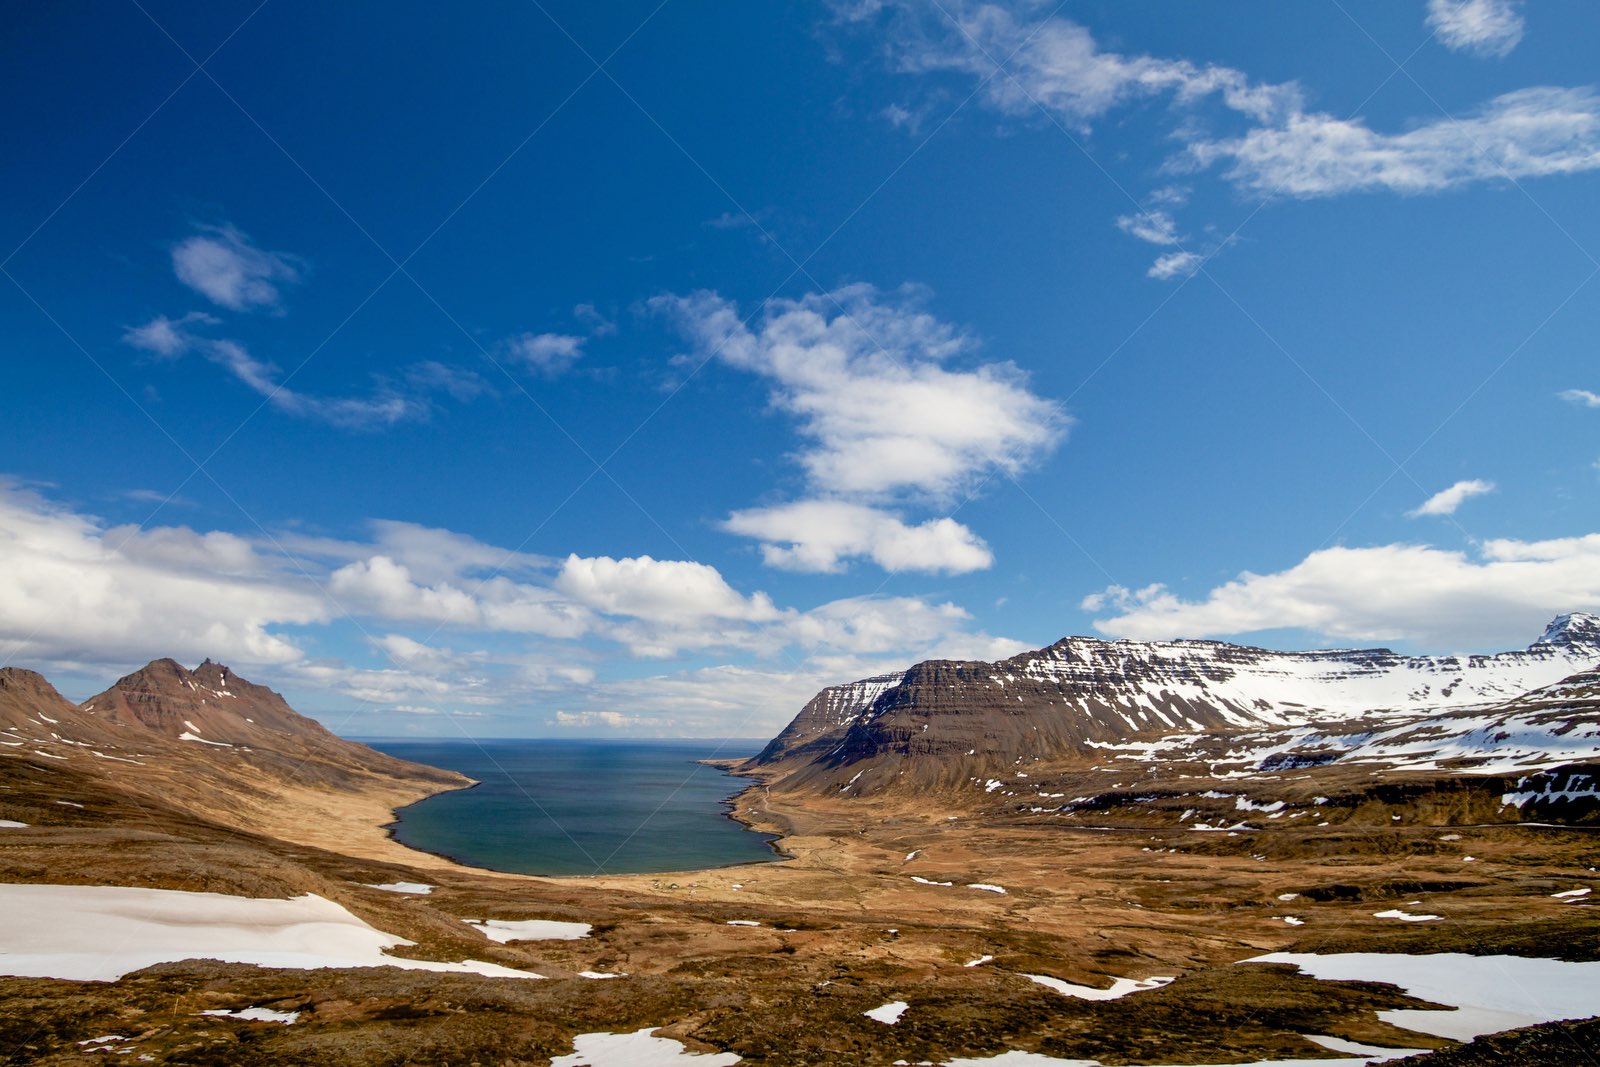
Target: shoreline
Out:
[783,829]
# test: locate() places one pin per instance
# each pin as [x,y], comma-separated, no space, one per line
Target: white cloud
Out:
[610,720]
[658,590]
[865,375]
[1501,597]
[822,535]
[549,354]
[1155,226]
[167,338]
[1524,134]
[1446,501]
[1058,65]
[221,264]
[885,420]
[1485,27]
[72,590]
[94,598]
[1581,396]
[389,403]
[1055,65]
[381,587]
[1175,264]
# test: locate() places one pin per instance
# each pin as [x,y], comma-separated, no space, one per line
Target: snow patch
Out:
[638,1049]
[507,930]
[888,1013]
[92,933]
[1120,987]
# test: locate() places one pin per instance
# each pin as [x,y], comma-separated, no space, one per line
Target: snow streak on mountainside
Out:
[942,722]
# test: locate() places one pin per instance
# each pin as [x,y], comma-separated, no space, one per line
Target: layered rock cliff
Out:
[946,723]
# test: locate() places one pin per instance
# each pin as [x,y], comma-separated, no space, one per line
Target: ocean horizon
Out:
[566,806]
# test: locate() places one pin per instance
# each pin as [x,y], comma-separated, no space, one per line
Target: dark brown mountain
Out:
[949,724]
[212,743]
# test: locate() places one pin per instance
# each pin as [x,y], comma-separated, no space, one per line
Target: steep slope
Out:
[948,723]
[220,747]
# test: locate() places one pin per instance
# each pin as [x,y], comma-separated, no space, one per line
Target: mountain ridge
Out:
[946,723]
[220,747]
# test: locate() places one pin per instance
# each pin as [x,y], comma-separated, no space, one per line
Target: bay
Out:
[568,807]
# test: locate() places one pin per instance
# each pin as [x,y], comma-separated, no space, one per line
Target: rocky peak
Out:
[1573,629]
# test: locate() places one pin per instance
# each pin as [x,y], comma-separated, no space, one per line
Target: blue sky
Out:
[572,369]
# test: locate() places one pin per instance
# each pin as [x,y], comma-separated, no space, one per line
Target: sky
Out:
[637,369]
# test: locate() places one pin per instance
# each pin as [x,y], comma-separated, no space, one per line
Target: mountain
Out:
[943,724]
[214,744]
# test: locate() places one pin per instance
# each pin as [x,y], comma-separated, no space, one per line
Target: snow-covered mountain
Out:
[944,722]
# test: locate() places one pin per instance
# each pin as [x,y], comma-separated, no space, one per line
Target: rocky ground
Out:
[1108,880]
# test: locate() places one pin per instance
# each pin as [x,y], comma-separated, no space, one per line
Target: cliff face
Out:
[946,723]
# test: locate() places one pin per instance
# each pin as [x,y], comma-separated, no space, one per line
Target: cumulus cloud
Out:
[658,590]
[1484,27]
[549,354]
[822,535]
[865,374]
[1446,501]
[74,590]
[1528,133]
[1498,596]
[1582,397]
[449,622]
[886,418]
[221,264]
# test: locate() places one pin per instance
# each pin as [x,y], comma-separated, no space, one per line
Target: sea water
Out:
[563,807]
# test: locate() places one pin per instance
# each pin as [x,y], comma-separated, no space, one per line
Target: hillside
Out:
[216,745]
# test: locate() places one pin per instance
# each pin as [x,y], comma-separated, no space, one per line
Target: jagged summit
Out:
[945,722]
[1573,628]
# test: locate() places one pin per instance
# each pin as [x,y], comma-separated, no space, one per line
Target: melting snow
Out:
[1120,987]
[928,881]
[742,922]
[638,1049]
[889,1013]
[1404,916]
[100,933]
[257,1015]
[12,824]
[986,887]
[419,888]
[977,962]
[1489,993]
[506,930]
[1571,894]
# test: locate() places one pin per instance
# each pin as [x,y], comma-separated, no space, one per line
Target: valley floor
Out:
[947,904]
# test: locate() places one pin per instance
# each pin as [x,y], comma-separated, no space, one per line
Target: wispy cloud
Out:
[1529,133]
[1580,396]
[549,354]
[221,264]
[1484,27]
[1446,501]
[1494,598]
[1175,265]
[1055,70]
